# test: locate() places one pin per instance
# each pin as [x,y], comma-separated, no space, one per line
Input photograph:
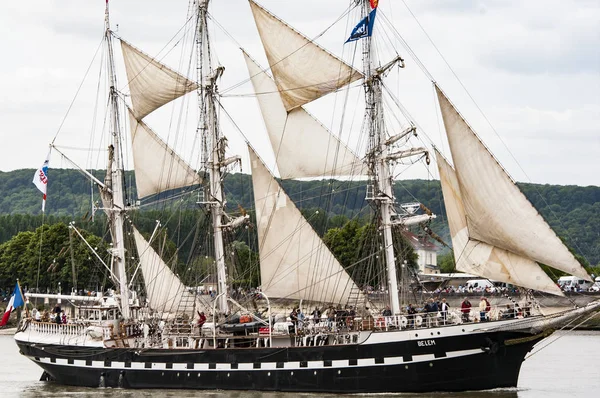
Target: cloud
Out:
[532,66]
[564,45]
[524,37]
[544,124]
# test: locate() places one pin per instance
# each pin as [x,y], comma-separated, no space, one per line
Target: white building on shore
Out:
[427,252]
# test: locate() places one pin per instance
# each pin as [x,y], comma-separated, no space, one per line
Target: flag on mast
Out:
[364,27]
[40,180]
[16,300]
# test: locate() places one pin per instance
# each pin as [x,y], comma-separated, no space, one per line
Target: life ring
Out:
[403,321]
[380,322]
[418,320]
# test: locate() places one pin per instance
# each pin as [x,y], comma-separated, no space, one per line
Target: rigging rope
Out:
[78,90]
[597,313]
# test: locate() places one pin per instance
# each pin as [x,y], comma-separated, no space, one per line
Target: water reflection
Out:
[43,389]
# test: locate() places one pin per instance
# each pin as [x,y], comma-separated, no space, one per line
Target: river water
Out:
[568,367]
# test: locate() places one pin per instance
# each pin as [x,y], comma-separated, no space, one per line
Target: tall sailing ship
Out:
[119,340]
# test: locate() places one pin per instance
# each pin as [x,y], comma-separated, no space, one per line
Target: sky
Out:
[531,72]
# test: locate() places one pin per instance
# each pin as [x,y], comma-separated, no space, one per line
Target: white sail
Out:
[496,211]
[151,83]
[302,70]
[164,291]
[294,261]
[157,167]
[303,147]
[479,258]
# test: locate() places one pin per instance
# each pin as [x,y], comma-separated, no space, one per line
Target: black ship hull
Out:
[469,361]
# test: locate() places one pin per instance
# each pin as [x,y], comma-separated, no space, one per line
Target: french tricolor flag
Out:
[16,300]
[40,180]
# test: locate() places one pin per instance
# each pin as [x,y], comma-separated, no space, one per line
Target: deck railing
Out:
[69,329]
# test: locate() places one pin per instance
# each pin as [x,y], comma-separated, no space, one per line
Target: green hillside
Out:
[573,211]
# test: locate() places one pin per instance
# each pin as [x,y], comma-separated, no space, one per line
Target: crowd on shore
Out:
[460,290]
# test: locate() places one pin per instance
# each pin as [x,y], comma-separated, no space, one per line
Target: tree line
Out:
[337,210]
[55,258]
[572,211]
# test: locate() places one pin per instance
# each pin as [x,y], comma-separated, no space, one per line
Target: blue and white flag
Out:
[364,27]
[40,180]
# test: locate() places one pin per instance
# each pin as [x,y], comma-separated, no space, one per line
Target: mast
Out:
[378,151]
[213,146]
[114,181]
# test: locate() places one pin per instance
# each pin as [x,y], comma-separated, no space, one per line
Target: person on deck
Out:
[301,319]
[387,311]
[350,315]
[482,309]
[488,308]
[432,310]
[294,320]
[330,317]
[411,311]
[465,309]
[201,319]
[57,312]
[444,311]
[316,314]
[387,314]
